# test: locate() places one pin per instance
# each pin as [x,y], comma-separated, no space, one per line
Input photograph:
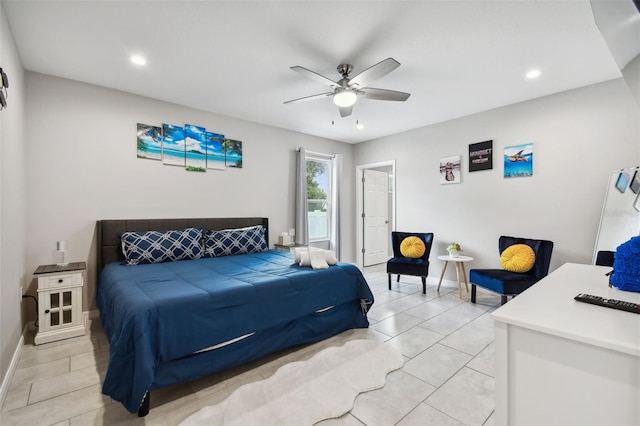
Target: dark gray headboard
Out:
[109,248]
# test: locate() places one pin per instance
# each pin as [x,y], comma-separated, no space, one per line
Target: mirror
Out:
[620,220]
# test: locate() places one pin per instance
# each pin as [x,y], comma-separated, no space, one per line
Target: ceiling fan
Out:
[346,90]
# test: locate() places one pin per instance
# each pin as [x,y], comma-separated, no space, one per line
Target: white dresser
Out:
[562,362]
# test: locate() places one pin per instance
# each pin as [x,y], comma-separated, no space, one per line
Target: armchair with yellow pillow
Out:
[524,262]
[410,255]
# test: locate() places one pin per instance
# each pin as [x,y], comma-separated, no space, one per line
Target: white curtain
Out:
[302,220]
[334,241]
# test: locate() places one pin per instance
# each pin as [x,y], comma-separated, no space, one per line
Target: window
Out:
[319,198]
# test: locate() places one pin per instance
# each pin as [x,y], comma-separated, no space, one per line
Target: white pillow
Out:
[317,260]
[313,258]
[329,255]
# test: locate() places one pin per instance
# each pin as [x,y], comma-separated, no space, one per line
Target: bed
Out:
[177,321]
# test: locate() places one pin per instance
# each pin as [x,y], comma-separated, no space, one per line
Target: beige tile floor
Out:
[447,378]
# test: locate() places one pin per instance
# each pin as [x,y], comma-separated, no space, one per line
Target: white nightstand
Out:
[60,302]
[287,248]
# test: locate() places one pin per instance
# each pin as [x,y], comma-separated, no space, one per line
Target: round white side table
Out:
[460,271]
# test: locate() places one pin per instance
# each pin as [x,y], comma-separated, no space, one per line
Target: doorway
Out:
[375,212]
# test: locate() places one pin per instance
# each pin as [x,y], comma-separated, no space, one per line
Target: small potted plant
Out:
[454,249]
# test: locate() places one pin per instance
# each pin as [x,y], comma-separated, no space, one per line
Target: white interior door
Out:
[376,217]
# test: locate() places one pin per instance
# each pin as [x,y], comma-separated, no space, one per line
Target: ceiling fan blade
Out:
[345,111]
[383,94]
[315,76]
[310,98]
[374,72]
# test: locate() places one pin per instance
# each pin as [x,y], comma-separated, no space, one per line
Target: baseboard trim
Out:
[6,381]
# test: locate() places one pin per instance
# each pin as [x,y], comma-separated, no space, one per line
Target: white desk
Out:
[460,271]
[562,362]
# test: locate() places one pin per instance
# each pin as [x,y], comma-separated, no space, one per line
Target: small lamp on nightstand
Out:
[61,246]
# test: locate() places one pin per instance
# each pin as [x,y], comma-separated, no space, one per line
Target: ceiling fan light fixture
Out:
[344,97]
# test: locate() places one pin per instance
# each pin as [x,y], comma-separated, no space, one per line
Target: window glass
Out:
[55,318]
[55,300]
[318,198]
[66,298]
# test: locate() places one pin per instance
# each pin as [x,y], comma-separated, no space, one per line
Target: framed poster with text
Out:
[481,156]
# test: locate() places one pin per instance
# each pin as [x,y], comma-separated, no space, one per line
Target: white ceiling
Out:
[233,57]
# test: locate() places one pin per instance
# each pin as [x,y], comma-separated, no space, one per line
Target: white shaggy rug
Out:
[305,392]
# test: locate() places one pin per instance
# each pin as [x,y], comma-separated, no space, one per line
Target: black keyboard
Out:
[609,303]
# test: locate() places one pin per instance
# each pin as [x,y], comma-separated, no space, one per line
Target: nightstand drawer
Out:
[60,281]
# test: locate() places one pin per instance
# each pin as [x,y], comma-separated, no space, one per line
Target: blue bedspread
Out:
[158,313]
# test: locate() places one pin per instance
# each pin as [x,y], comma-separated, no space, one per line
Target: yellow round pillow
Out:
[412,247]
[518,258]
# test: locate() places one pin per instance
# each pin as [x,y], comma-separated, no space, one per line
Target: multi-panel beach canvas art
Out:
[233,153]
[173,145]
[215,151]
[191,147]
[149,142]
[195,147]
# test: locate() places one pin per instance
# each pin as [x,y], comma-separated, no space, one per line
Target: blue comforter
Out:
[158,313]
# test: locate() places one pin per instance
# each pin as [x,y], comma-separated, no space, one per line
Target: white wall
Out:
[631,74]
[82,167]
[12,199]
[578,137]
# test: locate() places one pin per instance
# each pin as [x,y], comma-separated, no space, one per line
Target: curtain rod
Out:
[317,154]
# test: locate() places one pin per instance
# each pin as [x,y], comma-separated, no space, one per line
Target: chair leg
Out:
[424,285]
[398,277]
[473,293]
[503,299]
[389,275]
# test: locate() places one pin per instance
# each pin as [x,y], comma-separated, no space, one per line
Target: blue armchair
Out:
[508,283]
[402,265]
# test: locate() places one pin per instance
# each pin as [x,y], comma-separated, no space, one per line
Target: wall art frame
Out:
[518,160]
[634,185]
[189,146]
[622,182]
[450,169]
[481,156]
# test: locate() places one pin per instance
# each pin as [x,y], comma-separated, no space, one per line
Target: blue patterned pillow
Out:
[158,247]
[235,241]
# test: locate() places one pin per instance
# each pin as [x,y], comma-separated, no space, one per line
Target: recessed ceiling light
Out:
[534,73]
[138,60]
